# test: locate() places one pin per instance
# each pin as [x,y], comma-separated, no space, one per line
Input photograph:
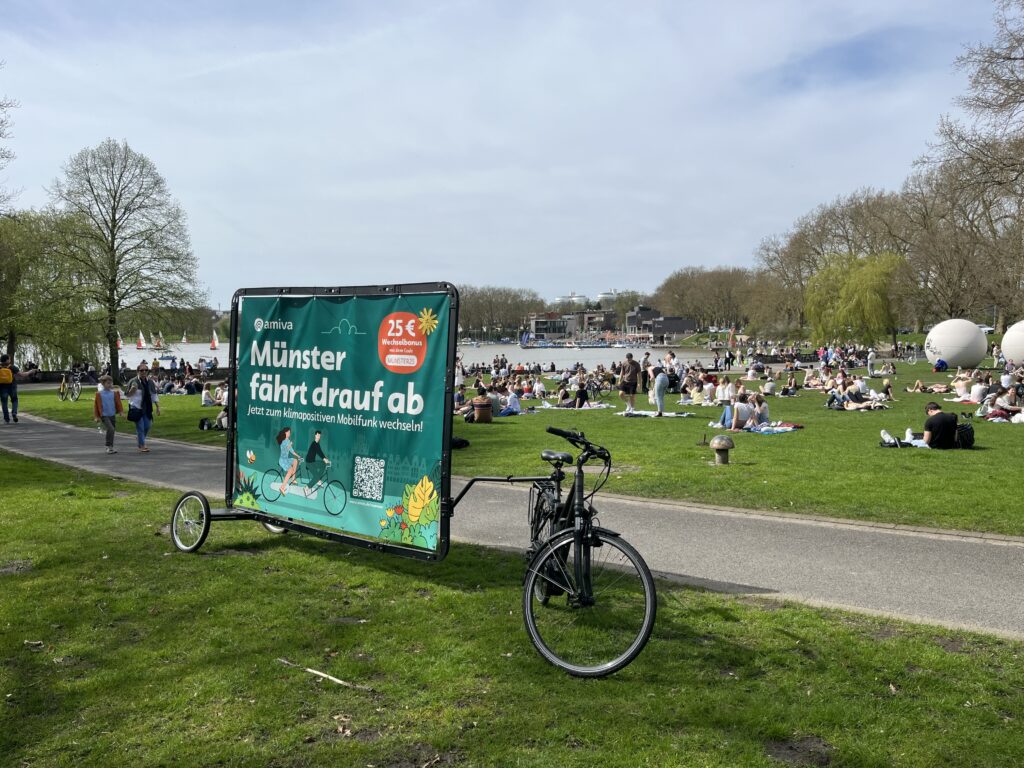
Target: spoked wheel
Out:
[589,637]
[62,392]
[76,390]
[190,523]
[271,485]
[271,528]
[335,498]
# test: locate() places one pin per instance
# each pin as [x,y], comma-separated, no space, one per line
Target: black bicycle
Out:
[589,600]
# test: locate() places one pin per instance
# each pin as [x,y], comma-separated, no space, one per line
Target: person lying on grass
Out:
[934,389]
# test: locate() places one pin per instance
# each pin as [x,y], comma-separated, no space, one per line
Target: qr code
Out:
[368,482]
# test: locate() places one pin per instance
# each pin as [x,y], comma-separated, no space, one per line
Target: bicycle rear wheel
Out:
[271,485]
[76,390]
[589,638]
[62,391]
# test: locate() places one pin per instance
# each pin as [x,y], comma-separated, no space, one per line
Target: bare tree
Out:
[126,237]
[993,137]
[6,153]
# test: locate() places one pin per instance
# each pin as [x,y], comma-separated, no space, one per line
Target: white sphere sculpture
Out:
[1013,343]
[960,343]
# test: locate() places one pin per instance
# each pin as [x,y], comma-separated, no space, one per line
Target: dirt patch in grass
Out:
[810,750]
[231,553]
[423,756]
[952,644]
[12,567]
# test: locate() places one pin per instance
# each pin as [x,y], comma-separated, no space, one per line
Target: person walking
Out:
[628,380]
[106,407]
[143,400]
[8,388]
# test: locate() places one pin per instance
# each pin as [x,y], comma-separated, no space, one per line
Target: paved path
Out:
[942,577]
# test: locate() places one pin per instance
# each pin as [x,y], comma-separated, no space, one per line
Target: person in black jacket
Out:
[316,463]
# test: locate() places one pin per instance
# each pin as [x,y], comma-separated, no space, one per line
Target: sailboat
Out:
[120,342]
[184,338]
[141,343]
[214,342]
[158,342]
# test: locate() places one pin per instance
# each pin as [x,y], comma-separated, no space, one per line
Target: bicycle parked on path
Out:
[70,386]
[589,599]
[332,492]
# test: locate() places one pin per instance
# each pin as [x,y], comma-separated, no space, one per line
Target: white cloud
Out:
[580,145]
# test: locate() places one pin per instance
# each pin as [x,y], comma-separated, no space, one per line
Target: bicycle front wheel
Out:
[596,624]
[335,498]
[76,390]
[190,523]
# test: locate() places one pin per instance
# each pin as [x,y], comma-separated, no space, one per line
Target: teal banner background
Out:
[368,372]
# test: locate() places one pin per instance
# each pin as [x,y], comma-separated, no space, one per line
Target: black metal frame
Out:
[444,492]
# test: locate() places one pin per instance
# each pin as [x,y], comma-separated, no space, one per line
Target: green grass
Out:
[832,467]
[115,649]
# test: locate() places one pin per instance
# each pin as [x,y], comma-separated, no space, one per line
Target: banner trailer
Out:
[342,415]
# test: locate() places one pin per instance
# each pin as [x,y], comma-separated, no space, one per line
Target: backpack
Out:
[204,424]
[6,376]
[965,435]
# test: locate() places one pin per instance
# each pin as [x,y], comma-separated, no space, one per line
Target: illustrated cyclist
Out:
[288,465]
[316,464]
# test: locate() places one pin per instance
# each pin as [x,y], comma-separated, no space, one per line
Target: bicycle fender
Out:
[608,531]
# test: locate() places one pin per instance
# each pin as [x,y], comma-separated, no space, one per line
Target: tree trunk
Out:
[112,343]
[12,341]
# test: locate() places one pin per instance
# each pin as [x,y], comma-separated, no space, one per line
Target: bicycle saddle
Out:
[559,457]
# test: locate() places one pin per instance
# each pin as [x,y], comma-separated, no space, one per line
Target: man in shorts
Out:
[628,380]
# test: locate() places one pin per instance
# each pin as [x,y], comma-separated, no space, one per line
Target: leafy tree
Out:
[125,238]
[850,299]
[40,299]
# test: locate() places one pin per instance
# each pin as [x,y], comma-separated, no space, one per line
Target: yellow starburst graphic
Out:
[428,321]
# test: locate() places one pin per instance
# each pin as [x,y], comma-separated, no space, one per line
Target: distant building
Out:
[636,317]
[549,326]
[656,327]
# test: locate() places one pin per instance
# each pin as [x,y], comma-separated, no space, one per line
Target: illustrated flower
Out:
[428,321]
[421,495]
[391,512]
[383,523]
[404,526]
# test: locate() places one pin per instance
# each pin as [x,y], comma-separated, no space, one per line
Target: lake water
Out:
[484,354]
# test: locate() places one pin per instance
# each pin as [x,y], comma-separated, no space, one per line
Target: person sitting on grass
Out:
[511,403]
[939,430]
[207,398]
[480,409]
[735,415]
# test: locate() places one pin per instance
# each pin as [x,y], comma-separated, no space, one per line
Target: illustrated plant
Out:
[414,522]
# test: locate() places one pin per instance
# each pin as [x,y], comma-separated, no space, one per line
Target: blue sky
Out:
[562,146]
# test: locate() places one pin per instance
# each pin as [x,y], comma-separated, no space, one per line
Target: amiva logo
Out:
[272,325]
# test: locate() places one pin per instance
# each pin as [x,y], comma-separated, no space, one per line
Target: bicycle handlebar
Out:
[580,441]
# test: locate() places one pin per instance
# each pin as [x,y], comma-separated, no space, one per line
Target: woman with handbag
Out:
[142,401]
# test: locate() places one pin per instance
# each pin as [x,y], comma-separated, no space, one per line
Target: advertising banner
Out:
[342,413]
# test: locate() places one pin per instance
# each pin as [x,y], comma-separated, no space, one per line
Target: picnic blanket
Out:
[586,406]
[652,414]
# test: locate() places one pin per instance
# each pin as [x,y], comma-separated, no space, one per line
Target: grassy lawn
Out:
[832,467]
[115,649]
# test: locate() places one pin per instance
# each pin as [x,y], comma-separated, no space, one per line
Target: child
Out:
[106,407]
